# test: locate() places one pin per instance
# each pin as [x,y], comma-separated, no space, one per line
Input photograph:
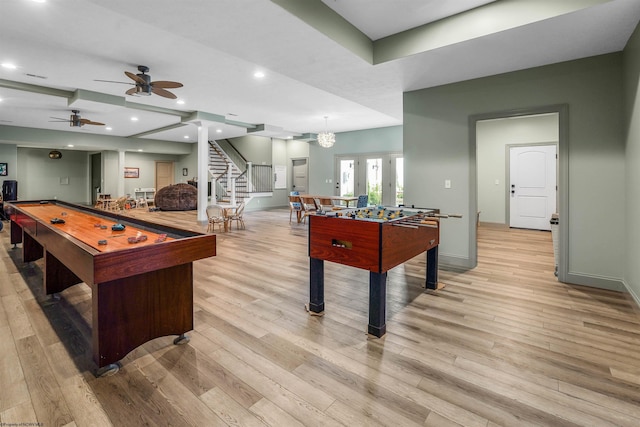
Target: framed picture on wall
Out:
[3,169]
[131,172]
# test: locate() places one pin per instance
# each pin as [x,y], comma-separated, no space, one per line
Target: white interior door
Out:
[300,176]
[532,199]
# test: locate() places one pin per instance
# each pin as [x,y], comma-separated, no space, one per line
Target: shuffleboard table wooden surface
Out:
[141,276]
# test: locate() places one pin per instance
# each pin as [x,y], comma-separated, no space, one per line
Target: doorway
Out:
[490,190]
[164,174]
[96,177]
[379,176]
[532,186]
[300,182]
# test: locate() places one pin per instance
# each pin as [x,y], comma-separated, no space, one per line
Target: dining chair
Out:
[326,203]
[309,205]
[215,215]
[237,217]
[295,205]
[118,204]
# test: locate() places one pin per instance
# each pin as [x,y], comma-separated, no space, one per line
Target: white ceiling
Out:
[215,47]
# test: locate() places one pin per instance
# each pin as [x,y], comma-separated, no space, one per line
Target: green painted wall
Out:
[437,147]
[40,177]
[321,160]
[9,155]
[631,62]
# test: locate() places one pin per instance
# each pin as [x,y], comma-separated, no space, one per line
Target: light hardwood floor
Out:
[503,344]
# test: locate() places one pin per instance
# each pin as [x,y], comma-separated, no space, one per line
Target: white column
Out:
[120,174]
[233,191]
[203,171]
[249,177]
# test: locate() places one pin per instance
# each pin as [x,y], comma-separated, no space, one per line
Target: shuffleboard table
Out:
[140,273]
[371,239]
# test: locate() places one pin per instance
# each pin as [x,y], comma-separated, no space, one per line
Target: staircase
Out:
[233,177]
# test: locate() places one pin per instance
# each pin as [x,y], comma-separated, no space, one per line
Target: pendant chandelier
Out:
[326,139]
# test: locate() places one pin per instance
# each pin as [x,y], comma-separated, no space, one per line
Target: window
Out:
[380,176]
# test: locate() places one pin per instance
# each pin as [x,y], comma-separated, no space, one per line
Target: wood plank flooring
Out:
[502,345]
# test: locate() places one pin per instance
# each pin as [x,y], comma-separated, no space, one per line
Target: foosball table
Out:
[374,239]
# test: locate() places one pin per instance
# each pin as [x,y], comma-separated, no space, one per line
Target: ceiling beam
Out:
[489,19]
[327,21]
[27,87]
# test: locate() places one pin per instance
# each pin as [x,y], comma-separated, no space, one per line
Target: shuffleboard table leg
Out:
[182,339]
[377,304]
[108,370]
[316,286]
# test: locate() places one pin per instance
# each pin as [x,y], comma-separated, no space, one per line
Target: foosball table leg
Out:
[316,286]
[377,304]
[432,268]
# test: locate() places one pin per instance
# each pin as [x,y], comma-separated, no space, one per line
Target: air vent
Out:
[35,76]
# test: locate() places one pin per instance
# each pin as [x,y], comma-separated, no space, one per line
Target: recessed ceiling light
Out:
[180,102]
[70,145]
[108,128]
[134,119]
[219,130]
[186,137]
[9,65]
[258,74]
[140,150]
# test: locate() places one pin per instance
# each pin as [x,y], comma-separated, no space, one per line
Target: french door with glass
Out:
[380,176]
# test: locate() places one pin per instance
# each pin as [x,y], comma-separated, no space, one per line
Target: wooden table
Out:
[372,245]
[140,291]
[227,211]
[346,199]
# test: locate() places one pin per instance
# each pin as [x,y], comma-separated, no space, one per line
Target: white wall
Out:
[493,137]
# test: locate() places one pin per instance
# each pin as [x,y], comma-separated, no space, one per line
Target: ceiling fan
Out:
[75,120]
[145,87]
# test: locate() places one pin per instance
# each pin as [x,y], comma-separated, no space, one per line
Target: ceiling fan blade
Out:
[60,119]
[113,81]
[162,92]
[90,122]
[166,84]
[132,91]
[135,78]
